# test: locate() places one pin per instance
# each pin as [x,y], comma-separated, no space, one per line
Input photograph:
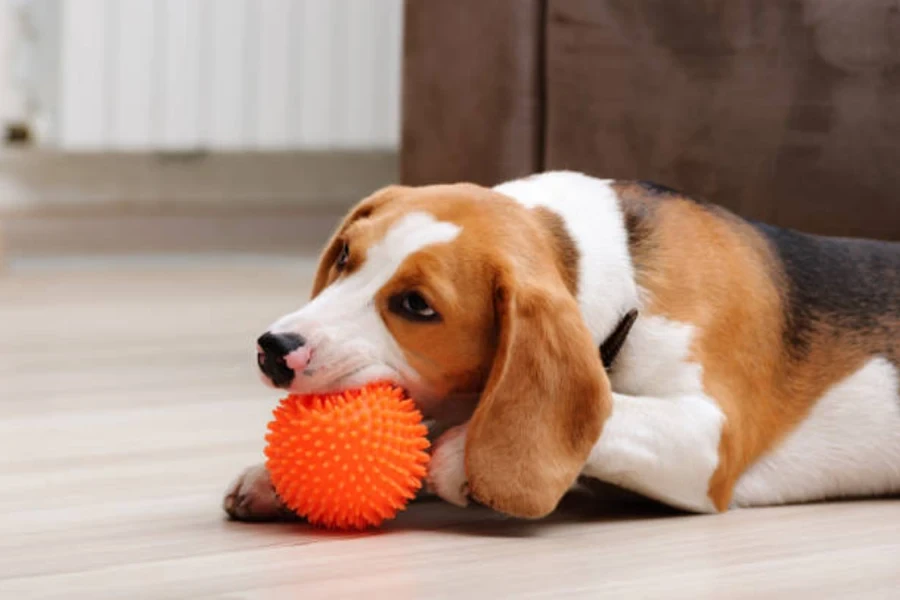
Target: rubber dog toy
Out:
[348,460]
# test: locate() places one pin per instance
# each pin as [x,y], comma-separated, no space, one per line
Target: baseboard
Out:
[50,183]
[288,234]
[55,204]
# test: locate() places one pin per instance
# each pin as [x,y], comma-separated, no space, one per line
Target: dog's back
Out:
[839,287]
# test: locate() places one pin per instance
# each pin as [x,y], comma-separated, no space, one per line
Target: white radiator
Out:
[227,75]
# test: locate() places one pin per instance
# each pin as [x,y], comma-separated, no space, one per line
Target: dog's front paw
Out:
[251,497]
[447,469]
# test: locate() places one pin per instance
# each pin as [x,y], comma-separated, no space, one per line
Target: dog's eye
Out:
[343,258]
[413,306]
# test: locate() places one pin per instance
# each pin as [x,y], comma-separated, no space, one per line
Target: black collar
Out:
[610,348]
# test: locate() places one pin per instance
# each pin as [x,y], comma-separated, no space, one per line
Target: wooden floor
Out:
[129,399]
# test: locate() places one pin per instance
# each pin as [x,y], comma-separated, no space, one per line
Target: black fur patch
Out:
[639,217]
[847,284]
[637,228]
[656,188]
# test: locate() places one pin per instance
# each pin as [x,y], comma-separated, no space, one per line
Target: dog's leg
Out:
[664,448]
[251,497]
[447,469]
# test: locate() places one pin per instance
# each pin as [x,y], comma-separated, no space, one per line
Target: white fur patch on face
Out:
[848,445]
[348,341]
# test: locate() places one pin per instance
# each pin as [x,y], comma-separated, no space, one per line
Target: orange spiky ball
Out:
[348,460]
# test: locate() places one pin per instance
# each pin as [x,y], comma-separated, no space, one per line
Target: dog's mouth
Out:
[448,408]
[318,380]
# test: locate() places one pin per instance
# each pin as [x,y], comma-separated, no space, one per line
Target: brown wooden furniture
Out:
[787,112]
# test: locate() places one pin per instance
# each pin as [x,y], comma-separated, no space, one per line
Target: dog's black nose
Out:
[272,348]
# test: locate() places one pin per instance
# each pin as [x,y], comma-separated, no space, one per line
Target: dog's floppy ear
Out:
[544,404]
[362,210]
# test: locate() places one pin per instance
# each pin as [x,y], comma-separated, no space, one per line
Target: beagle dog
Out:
[762,368]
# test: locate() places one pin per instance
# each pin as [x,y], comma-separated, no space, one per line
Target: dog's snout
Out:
[272,352]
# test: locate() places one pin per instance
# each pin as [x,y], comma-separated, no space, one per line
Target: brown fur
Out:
[703,266]
[565,252]
[547,395]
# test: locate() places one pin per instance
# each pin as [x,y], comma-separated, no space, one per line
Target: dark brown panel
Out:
[787,111]
[471,90]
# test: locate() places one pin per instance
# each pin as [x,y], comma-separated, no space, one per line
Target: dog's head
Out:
[457,293]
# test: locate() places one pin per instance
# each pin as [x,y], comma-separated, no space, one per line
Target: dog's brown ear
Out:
[544,404]
[333,248]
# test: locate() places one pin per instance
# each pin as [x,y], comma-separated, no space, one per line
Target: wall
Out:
[12,105]
[137,75]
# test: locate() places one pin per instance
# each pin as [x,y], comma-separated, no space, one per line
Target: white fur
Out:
[348,341]
[662,439]
[655,360]
[663,448]
[849,445]
[447,468]
[592,215]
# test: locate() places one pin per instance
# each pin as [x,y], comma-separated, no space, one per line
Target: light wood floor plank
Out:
[129,398]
